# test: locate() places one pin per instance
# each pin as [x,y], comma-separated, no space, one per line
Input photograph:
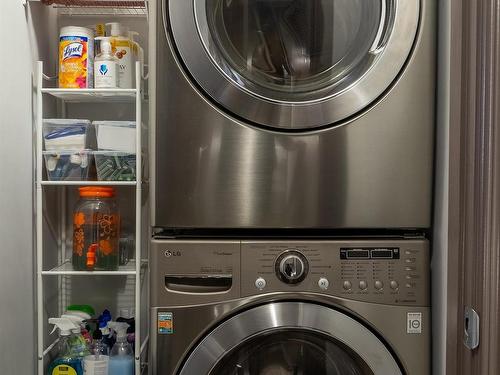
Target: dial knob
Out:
[292,267]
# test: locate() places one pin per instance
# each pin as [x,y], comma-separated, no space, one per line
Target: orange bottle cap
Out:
[97,192]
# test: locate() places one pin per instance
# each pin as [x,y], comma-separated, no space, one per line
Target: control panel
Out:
[393,272]
[390,272]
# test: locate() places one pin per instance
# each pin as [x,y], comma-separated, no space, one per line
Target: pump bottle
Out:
[121,358]
[122,49]
[106,68]
[66,361]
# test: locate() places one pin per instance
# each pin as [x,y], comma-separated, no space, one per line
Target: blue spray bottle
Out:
[66,359]
[121,357]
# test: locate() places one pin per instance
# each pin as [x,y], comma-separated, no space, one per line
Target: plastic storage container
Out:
[67,134]
[96,230]
[115,166]
[116,136]
[68,165]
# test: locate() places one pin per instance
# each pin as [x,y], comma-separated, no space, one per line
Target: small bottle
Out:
[121,358]
[106,69]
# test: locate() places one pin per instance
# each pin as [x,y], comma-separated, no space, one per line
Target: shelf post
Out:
[138,217]
[39,216]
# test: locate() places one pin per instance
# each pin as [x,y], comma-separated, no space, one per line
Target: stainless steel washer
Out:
[294,114]
[350,307]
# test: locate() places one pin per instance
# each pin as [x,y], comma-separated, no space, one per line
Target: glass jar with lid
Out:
[96,230]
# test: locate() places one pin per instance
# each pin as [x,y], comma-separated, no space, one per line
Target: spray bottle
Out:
[121,359]
[107,337]
[98,361]
[66,362]
[79,345]
[106,70]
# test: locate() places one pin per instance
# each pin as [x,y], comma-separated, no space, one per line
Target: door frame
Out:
[474,185]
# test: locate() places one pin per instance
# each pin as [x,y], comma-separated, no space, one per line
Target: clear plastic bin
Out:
[115,166]
[116,136]
[68,165]
[67,134]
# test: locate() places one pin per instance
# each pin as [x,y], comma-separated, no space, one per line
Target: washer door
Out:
[294,64]
[290,338]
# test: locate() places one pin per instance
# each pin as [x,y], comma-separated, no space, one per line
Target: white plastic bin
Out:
[116,136]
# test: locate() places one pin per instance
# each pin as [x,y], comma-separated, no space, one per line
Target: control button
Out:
[410,260]
[363,285]
[379,284]
[323,283]
[394,284]
[410,268]
[260,283]
[409,285]
[347,285]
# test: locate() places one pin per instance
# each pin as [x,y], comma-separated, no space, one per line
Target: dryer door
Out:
[291,338]
[294,64]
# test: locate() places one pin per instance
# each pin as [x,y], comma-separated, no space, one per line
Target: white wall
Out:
[17,315]
[440,243]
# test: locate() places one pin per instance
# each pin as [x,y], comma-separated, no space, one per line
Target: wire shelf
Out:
[99,7]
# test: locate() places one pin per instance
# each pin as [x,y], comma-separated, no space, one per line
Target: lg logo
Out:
[175,253]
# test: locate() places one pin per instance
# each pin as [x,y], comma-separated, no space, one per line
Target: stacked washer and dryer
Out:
[292,187]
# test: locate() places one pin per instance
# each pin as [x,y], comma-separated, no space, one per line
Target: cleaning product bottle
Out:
[85,312]
[98,361]
[121,358]
[78,344]
[107,335]
[66,362]
[106,70]
[122,49]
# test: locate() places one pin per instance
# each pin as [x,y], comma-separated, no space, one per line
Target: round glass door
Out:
[291,352]
[294,64]
[294,50]
[290,338]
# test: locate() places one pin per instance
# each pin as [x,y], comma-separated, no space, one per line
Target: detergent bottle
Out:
[66,362]
[121,358]
[78,344]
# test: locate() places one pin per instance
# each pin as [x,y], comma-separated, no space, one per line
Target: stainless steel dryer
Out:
[294,113]
[333,307]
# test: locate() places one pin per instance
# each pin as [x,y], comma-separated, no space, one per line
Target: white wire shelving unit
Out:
[134,268]
[105,8]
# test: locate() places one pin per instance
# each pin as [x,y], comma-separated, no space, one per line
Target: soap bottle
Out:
[121,358]
[97,362]
[122,49]
[106,69]
[66,362]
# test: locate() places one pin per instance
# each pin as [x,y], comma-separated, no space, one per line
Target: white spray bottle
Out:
[106,68]
[98,362]
[121,358]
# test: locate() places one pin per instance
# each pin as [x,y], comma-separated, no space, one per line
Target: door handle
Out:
[471,328]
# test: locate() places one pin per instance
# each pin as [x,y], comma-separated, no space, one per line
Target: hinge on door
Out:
[471,328]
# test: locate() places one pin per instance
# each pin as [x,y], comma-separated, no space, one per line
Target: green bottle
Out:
[66,362]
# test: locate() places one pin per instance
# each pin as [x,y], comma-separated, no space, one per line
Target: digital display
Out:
[358,254]
[367,253]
